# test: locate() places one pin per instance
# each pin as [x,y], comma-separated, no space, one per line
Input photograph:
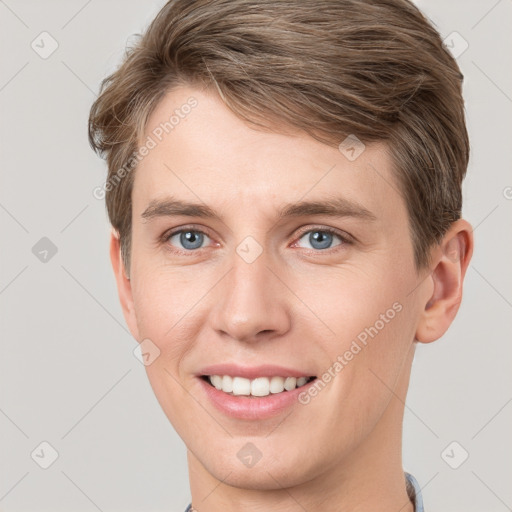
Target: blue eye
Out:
[320,239]
[189,239]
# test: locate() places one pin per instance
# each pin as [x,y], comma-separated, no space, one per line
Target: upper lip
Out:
[252,372]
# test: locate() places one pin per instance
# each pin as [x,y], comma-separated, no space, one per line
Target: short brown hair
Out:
[373,68]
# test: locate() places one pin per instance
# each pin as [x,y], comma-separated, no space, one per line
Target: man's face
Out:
[250,287]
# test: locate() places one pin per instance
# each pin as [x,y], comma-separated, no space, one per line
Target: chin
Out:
[260,478]
[274,470]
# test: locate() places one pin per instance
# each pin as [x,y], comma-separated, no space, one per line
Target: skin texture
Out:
[295,305]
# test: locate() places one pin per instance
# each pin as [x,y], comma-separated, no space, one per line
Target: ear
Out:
[124,287]
[451,260]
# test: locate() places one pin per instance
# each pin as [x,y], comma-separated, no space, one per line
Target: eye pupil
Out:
[191,239]
[322,238]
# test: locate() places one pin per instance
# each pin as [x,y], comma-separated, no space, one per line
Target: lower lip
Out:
[256,408]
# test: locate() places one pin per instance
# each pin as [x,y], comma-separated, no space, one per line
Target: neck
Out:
[370,478]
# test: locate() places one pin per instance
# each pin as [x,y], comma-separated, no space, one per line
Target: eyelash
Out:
[344,238]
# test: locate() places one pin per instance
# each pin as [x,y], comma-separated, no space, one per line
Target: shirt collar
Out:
[414,492]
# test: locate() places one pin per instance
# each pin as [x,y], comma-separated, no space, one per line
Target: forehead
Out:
[202,152]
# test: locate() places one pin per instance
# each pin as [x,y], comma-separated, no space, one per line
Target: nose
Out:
[251,302]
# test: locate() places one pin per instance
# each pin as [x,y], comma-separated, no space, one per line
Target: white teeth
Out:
[290,383]
[216,380]
[241,386]
[227,383]
[301,381]
[276,384]
[261,386]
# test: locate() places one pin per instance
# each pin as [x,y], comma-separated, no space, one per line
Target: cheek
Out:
[355,305]
[163,299]
[165,315]
[369,327]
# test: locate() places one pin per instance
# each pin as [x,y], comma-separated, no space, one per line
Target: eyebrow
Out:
[337,207]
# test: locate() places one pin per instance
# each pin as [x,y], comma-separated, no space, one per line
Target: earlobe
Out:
[451,259]
[124,285]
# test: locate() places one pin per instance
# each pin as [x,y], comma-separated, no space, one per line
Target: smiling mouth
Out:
[259,387]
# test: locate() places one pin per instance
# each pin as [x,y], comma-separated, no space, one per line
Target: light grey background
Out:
[68,373]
